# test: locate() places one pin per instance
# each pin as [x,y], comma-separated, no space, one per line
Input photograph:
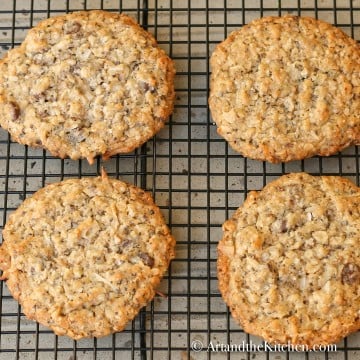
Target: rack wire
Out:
[196,179]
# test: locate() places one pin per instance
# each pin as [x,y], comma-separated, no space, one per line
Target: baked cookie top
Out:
[86,84]
[289,261]
[83,256]
[286,88]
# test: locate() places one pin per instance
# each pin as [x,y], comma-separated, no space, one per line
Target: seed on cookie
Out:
[14,110]
[95,70]
[286,88]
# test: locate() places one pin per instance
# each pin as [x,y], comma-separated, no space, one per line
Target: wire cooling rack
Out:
[196,179]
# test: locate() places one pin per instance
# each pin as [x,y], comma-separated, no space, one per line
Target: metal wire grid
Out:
[196,179]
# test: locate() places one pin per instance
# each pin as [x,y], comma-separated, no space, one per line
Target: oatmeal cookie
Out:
[289,260]
[83,256]
[86,84]
[286,88]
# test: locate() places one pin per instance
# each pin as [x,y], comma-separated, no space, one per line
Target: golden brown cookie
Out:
[289,260]
[83,256]
[287,88]
[86,84]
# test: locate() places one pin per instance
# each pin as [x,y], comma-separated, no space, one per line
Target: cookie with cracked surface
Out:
[86,84]
[83,256]
[286,88]
[289,260]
